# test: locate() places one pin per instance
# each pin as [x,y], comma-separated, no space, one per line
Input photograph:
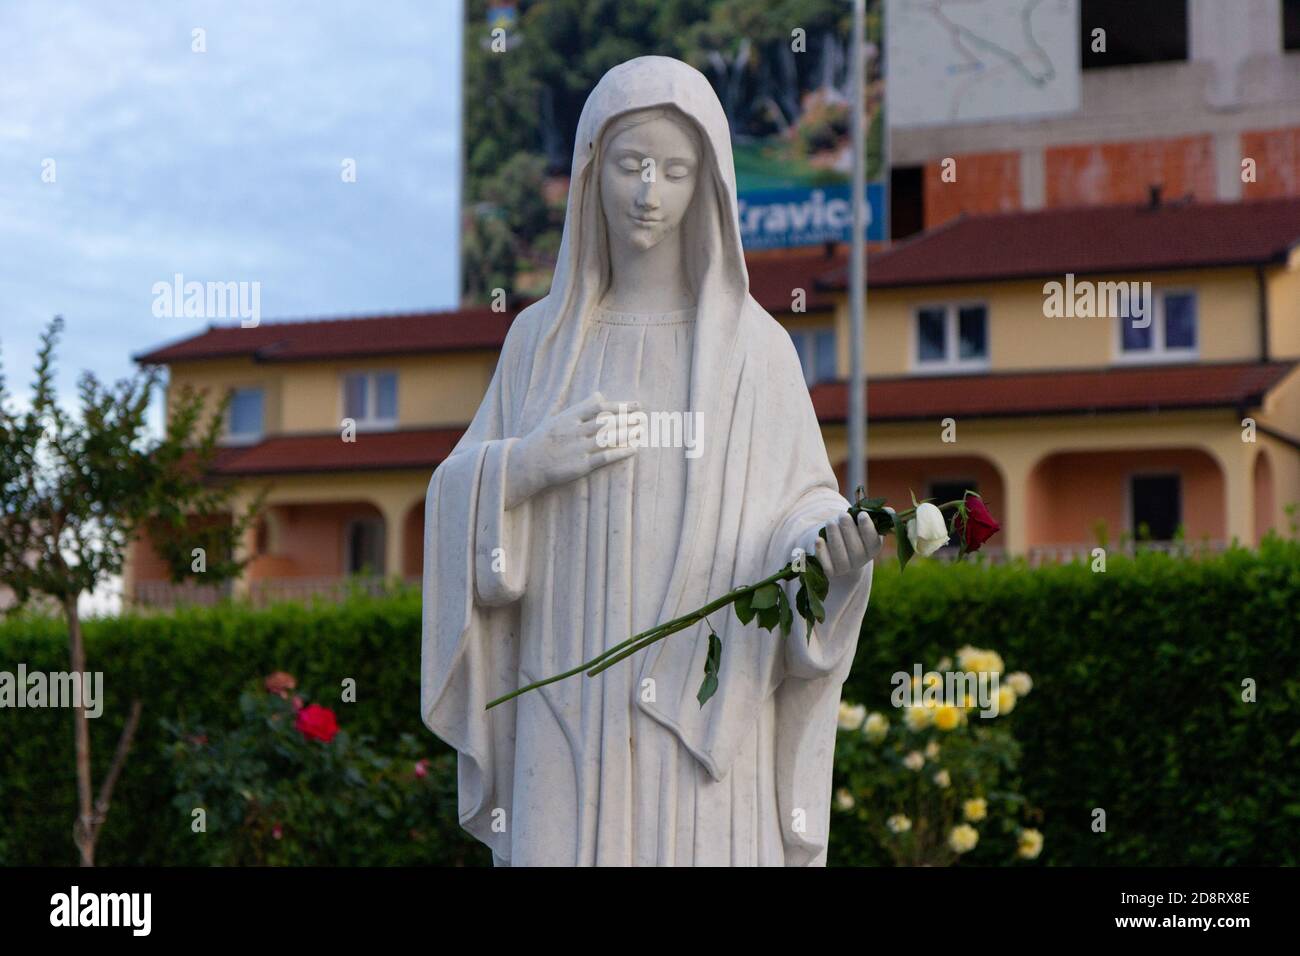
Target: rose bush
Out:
[937,781]
[288,786]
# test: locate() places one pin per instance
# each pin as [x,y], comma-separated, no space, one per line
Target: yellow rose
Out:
[975,809]
[898,823]
[946,717]
[963,837]
[979,661]
[932,750]
[1031,844]
[917,718]
[1006,700]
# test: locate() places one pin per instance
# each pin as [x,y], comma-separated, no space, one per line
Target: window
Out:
[1137,31]
[1291,24]
[943,491]
[816,348]
[1157,506]
[364,546]
[370,398]
[906,201]
[1171,333]
[244,419]
[952,337]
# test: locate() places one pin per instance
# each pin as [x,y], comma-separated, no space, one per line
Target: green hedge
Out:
[1136,707]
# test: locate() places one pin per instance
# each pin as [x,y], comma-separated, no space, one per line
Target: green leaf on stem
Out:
[816,578]
[712,665]
[744,607]
[787,613]
[765,597]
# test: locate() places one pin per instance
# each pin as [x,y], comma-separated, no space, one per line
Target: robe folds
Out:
[627,768]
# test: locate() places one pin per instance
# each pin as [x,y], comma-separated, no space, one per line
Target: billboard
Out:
[971,61]
[781,72]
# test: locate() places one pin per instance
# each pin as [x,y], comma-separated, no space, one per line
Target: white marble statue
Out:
[545,545]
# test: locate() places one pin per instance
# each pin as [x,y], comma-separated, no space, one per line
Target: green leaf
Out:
[787,613]
[712,665]
[744,607]
[816,578]
[769,617]
[905,550]
[815,604]
[765,597]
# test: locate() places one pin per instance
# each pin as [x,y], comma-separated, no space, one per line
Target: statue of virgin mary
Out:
[546,543]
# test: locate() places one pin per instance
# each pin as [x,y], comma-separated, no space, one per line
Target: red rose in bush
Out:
[317,723]
[977,526]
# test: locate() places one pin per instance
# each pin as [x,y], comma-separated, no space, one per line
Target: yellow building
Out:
[1097,373]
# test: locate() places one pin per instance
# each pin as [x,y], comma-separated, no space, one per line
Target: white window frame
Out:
[810,333]
[951,339]
[370,422]
[244,438]
[1158,352]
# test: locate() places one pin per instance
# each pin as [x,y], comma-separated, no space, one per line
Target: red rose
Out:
[977,526]
[317,723]
[422,768]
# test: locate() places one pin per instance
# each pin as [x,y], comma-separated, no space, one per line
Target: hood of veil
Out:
[716,262]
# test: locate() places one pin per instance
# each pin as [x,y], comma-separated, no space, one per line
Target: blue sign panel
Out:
[807,216]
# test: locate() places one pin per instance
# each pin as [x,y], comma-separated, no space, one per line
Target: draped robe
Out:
[627,767]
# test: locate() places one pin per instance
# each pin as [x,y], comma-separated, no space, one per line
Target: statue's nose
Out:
[647,197]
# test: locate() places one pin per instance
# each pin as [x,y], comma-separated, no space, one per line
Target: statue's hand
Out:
[849,544]
[566,446]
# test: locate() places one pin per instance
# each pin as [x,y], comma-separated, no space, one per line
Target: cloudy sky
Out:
[222,165]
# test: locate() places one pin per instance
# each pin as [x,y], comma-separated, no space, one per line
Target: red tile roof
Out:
[372,451]
[772,281]
[1143,389]
[1090,240]
[454,331]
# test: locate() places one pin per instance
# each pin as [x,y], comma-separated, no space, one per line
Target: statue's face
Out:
[647,180]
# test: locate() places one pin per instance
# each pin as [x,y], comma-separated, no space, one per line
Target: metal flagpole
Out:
[857,470]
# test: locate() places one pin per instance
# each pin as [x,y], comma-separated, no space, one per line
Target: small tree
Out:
[74,492]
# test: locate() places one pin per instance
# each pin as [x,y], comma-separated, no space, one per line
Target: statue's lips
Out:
[646,220]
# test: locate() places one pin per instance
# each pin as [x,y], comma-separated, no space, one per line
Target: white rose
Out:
[843,799]
[927,532]
[941,779]
[963,837]
[1020,682]
[898,823]
[851,716]
[914,760]
[876,727]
